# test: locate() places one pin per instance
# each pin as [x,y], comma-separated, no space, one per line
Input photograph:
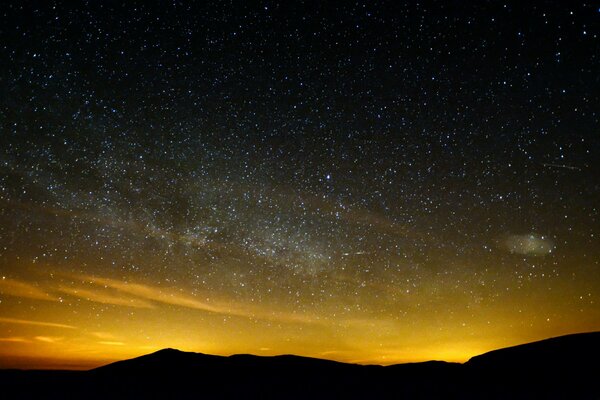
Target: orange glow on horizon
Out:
[139,318]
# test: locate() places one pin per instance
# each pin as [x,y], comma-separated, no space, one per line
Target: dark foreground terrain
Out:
[563,367]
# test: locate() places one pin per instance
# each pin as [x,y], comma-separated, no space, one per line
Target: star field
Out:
[372,182]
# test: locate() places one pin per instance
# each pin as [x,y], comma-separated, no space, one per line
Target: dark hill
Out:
[182,359]
[553,368]
[561,367]
[545,354]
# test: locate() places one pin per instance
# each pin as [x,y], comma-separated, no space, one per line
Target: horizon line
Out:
[109,361]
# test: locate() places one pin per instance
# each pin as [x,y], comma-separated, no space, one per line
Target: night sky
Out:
[370,182]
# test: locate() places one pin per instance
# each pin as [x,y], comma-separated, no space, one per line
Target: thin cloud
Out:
[110,343]
[159,295]
[103,335]
[48,339]
[178,298]
[17,288]
[36,323]
[14,339]
[100,296]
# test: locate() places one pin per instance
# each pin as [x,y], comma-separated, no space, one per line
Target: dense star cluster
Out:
[361,181]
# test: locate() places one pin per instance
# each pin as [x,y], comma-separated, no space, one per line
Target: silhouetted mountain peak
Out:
[168,350]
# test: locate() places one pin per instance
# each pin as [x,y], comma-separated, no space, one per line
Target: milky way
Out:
[367,182]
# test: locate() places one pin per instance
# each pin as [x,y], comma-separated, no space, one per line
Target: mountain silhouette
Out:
[560,367]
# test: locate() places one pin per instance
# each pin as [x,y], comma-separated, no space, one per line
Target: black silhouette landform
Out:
[564,367]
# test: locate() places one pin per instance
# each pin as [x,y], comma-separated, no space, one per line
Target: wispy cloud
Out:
[110,343]
[36,323]
[48,339]
[332,352]
[103,335]
[100,296]
[138,295]
[17,288]
[157,294]
[176,297]
[14,339]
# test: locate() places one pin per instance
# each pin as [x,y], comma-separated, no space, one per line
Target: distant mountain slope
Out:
[553,368]
[172,372]
[564,367]
[562,350]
